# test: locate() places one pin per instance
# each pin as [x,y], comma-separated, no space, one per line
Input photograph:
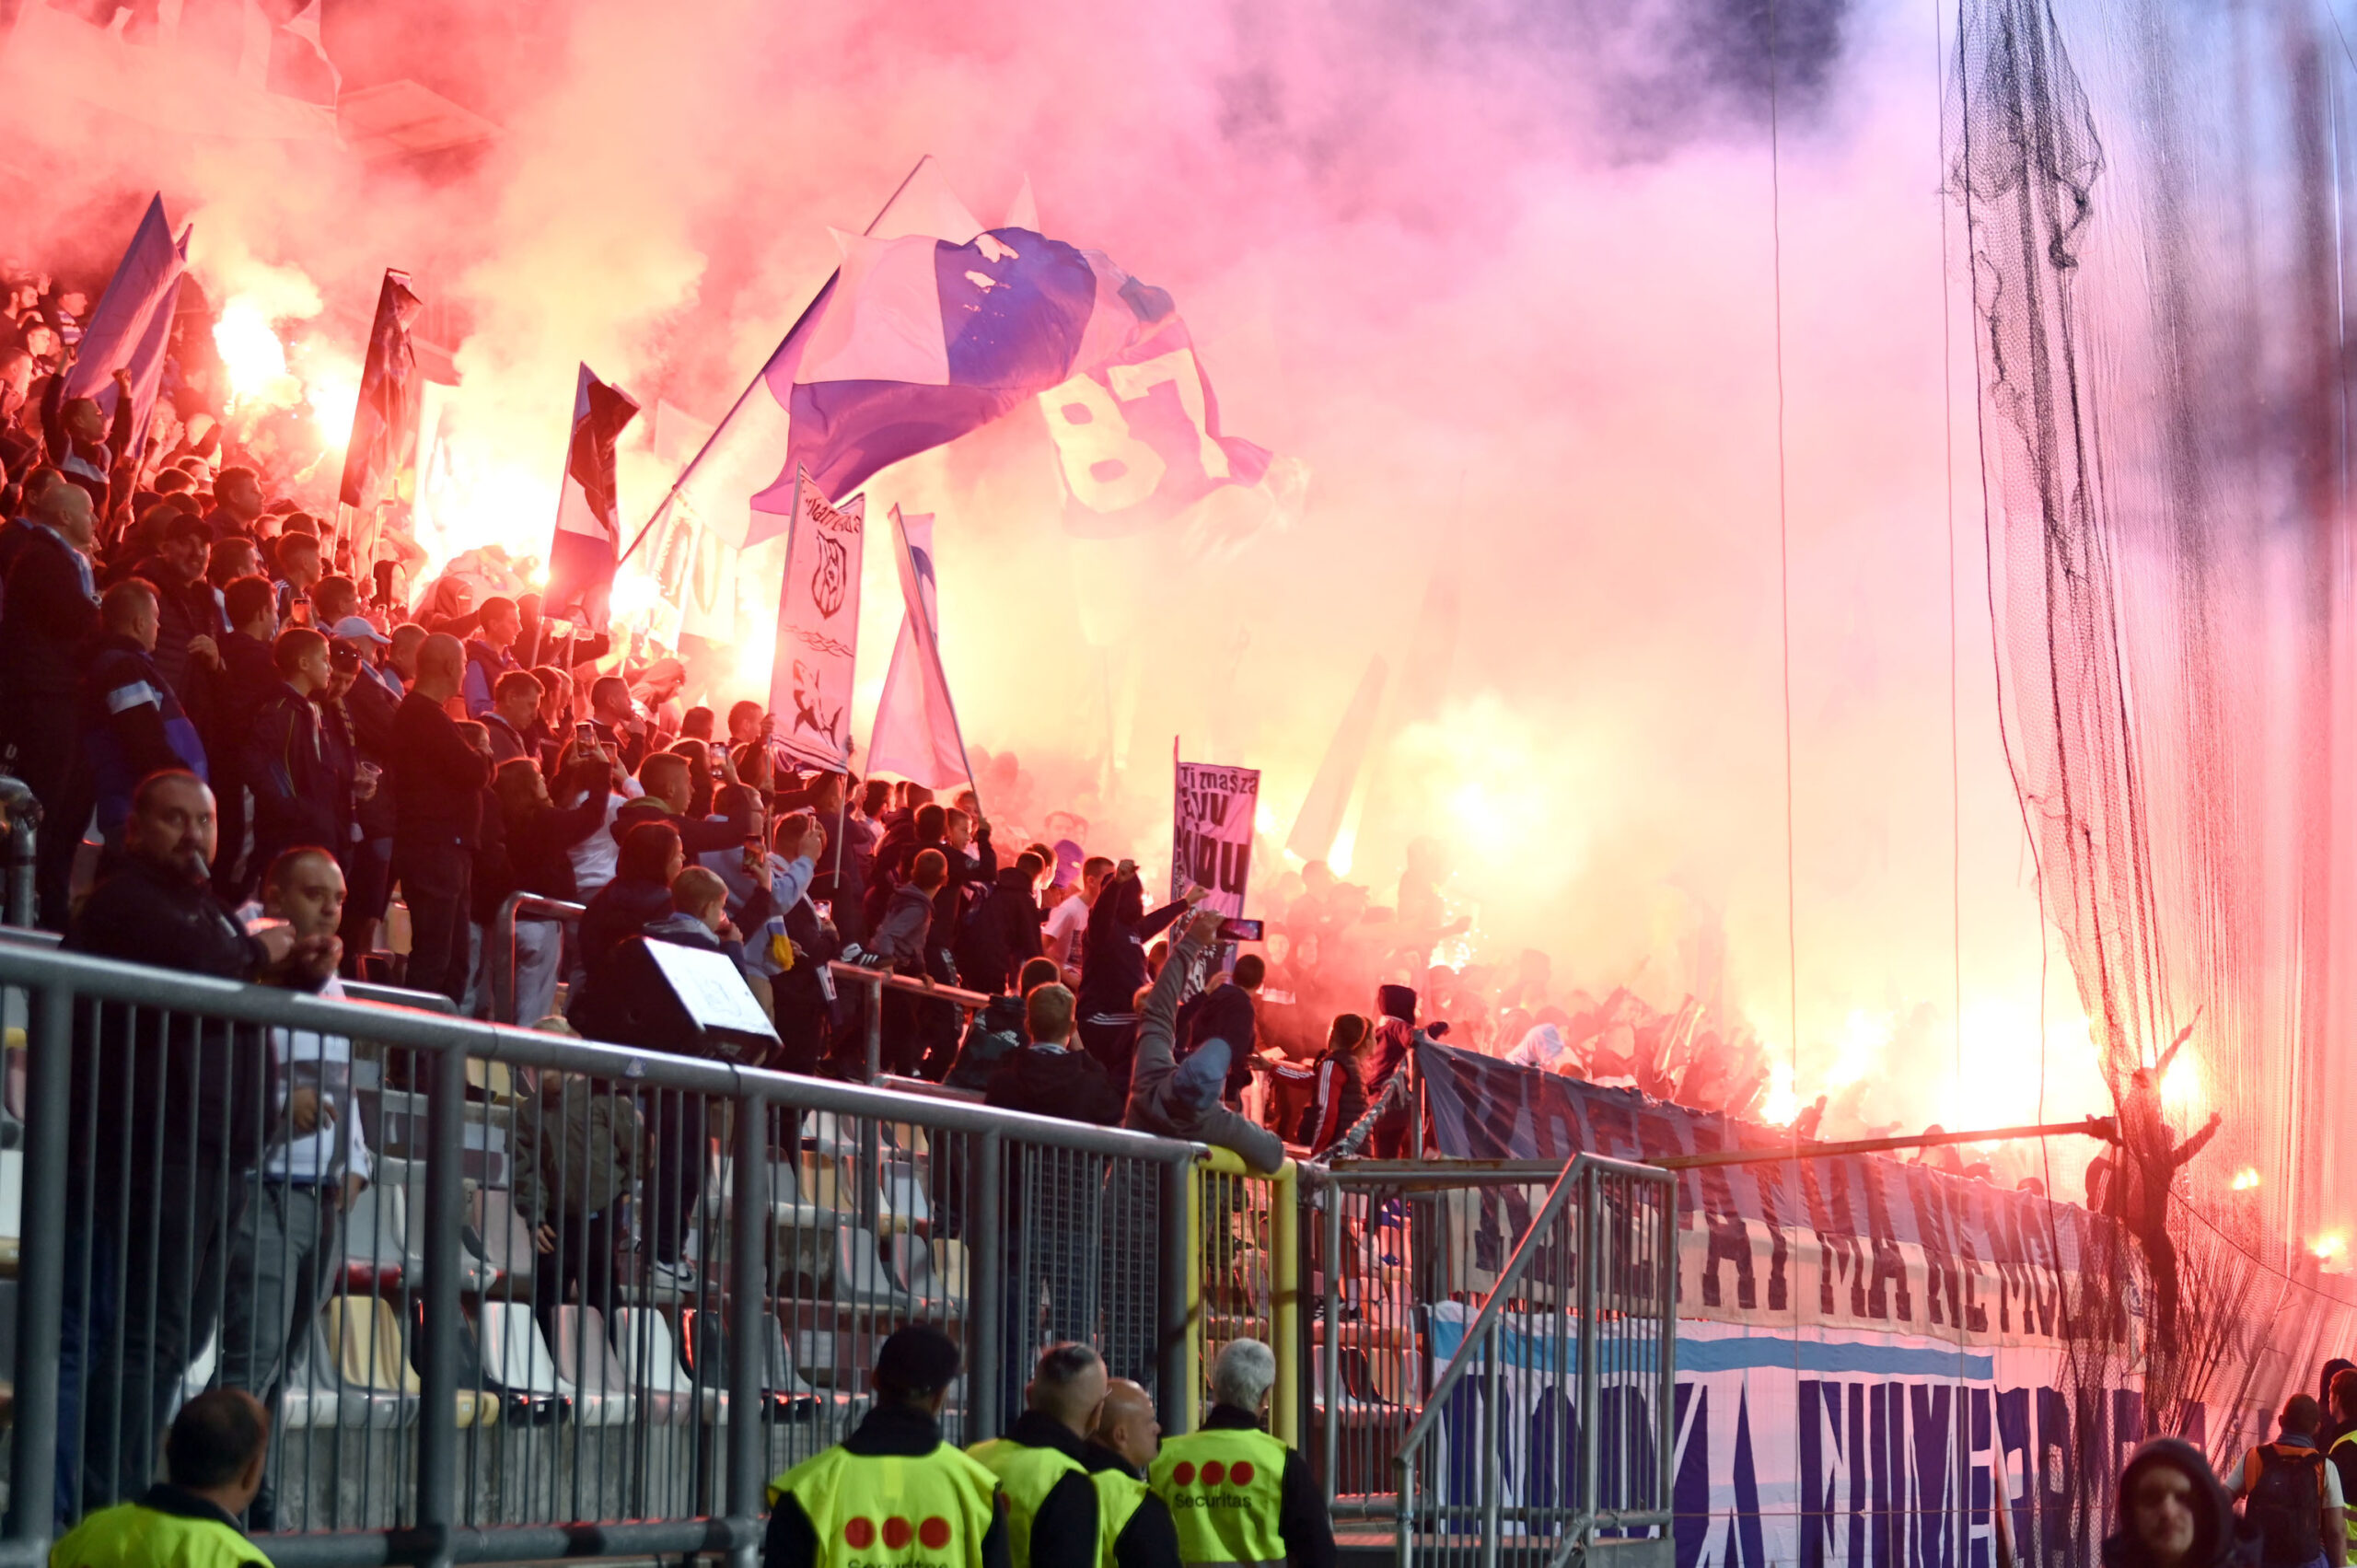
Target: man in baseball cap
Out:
[893,1484]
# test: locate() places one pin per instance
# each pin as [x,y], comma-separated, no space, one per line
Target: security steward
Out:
[2343,1452]
[214,1456]
[1051,1503]
[1236,1494]
[892,1492]
[1133,1529]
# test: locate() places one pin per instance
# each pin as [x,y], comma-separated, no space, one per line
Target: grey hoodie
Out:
[1155,1106]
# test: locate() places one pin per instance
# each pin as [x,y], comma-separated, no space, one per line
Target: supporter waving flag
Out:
[134,319]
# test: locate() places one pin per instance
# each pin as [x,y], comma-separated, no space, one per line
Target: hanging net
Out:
[2153,194]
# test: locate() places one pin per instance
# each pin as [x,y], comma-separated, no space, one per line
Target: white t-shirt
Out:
[1067,924]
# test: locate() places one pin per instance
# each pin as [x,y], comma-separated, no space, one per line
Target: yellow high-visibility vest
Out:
[1224,1488]
[1027,1475]
[926,1512]
[132,1535]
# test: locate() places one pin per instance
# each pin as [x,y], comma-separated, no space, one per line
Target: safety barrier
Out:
[502,958]
[872,1008]
[1243,1235]
[1382,1240]
[1575,1344]
[588,1300]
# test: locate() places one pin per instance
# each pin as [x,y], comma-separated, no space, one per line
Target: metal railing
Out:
[588,1299]
[499,956]
[1571,1354]
[872,1007]
[1382,1240]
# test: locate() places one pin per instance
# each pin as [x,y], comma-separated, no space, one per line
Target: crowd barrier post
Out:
[985,1337]
[438,1435]
[32,1466]
[748,1297]
[1180,1369]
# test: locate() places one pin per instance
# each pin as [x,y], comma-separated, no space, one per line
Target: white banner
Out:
[1211,841]
[817,629]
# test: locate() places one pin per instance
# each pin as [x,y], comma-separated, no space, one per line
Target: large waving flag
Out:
[916,736]
[817,629]
[383,445]
[588,526]
[133,324]
[917,340]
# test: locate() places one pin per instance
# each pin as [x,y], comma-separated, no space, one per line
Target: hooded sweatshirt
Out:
[1175,1102]
[2216,1541]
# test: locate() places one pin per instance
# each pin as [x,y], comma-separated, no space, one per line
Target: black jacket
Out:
[184,611]
[438,781]
[536,842]
[132,726]
[302,784]
[51,620]
[1000,933]
[1150,1540]
[1068,1084]
[1224,1012]
[1112,964]
[886,1430]
[1302,1521]
[166,1088]
[698,835]
[1065,1529]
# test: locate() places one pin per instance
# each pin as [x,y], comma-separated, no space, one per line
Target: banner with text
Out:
[817,629]
[1212,841]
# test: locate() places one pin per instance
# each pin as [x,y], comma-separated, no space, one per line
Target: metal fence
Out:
[586,1301]
[1546,1437]
[1382,1240]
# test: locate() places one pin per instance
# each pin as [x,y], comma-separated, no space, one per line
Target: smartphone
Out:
[1233,930]
[756,846]
[584,734]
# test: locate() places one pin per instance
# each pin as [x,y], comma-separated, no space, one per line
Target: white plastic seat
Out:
[373,1258]
[648,1354]
[906,1202]
[506,1238]
[586,1370]
[515,1356]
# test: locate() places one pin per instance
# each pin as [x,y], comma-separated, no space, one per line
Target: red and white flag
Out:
[588,523]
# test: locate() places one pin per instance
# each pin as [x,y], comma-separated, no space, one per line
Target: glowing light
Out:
[252,354]
[1264,818]
[2245,1178]
[2181,1085]
[2332,1248]
[1863,1038]
[1338,859]
[1784,1102]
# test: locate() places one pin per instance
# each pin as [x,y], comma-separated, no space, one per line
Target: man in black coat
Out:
[50,619]
[437,798]
[302,787]
[188,623]
[169,1110]
[1003,930]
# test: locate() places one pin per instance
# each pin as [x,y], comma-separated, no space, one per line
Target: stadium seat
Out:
[363,1365]
[649,1357]
[785,1394]
[373,1259]
[587,1370]
[515,1360]
[517,1406]
[507,1246]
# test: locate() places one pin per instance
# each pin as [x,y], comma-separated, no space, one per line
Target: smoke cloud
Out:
[1509,277]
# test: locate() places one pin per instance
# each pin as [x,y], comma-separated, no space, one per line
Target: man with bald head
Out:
[180,1109]
[1134,1525]
[438,782]
[52,616]
[1051,1513]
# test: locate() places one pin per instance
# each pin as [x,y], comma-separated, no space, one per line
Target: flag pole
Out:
[758,376]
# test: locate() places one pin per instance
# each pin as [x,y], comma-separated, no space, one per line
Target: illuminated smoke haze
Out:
[1502,275]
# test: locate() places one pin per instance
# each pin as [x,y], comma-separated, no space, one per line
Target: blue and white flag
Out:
[917,340]
[588,526]
[916,736]
[133,324]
